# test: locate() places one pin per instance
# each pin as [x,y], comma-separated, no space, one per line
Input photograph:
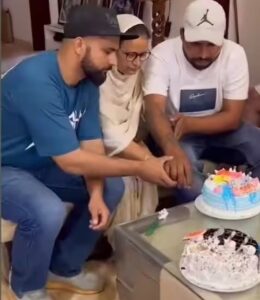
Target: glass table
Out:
[147,258]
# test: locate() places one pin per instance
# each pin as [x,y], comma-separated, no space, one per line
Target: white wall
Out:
[21,18]
[249,35]
[176,15]
[54,11]
[231,26]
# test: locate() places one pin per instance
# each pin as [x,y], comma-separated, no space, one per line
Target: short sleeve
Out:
[41,107]
[89,126]
[156,75]
[236,81]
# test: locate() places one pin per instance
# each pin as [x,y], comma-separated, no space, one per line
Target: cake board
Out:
[219,214]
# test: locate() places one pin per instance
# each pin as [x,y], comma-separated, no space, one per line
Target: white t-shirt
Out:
[191,91]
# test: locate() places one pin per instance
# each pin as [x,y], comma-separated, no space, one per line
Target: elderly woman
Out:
[121,105]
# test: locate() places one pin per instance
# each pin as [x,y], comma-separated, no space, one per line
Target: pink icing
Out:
[241,183]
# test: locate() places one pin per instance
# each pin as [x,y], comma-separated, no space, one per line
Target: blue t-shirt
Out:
[42,116]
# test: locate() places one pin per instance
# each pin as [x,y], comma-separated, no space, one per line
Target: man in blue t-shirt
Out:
[52,152]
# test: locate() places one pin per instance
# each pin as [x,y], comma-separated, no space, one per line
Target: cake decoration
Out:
[161,217]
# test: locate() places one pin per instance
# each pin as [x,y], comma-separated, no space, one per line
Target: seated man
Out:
[196,88]
[51,135]
[252,110]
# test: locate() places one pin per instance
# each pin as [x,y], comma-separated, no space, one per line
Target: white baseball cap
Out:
[204,20]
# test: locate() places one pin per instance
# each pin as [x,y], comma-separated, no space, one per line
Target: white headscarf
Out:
[127,21]
[121,100]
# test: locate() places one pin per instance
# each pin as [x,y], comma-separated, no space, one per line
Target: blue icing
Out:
[228,196]
[253,197]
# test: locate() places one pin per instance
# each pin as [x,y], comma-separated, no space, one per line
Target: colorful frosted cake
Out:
[221,260]
[232,192]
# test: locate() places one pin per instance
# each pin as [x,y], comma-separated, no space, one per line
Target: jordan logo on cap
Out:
[204,19]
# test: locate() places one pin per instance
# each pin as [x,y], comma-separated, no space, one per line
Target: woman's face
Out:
[132,54]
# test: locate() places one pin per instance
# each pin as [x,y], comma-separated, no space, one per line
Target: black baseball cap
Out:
[89,20]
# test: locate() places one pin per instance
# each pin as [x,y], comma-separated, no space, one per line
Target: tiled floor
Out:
[11,55]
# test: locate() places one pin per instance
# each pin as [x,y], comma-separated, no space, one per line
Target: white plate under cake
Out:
[222,260]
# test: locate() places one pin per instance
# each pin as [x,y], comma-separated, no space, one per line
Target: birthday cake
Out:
[223,260]
[231,193]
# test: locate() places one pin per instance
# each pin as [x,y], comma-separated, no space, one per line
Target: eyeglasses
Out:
[132,56]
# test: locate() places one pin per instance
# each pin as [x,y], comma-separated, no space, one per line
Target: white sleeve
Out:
[236,83]
[156,75]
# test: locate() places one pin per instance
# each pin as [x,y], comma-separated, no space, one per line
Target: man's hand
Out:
[179,169]
[180,125]
[99,213]
[152,170]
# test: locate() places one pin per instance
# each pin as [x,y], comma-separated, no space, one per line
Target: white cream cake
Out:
[221,260]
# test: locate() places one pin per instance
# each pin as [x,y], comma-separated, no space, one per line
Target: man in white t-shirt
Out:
[195,90]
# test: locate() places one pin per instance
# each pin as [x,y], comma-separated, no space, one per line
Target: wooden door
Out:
[40,15]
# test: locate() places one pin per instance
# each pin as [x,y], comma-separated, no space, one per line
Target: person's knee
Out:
[114,191]
[30,204]
[46,221]
[53,217]
[248,139]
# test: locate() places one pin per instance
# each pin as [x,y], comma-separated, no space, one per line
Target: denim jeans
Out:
[46,238]
[246,140]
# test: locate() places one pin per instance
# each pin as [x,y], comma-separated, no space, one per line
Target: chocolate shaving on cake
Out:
[239,237]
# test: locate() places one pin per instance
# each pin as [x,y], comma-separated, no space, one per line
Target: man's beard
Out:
[206,63]
[97,77]
[196,63]
[92,73]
